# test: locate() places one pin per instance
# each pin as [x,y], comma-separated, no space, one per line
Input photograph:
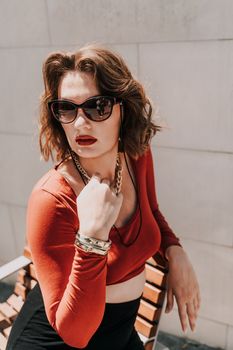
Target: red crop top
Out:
[73,282]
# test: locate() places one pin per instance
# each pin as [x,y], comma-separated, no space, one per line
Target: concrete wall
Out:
[183,53]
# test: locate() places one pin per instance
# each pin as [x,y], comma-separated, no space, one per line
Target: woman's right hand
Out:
[98,207]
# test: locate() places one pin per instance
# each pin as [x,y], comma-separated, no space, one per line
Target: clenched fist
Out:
[98,207]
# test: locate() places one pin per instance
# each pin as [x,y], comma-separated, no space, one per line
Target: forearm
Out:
[173,251]
[73,285]
[84,297]
[168,237]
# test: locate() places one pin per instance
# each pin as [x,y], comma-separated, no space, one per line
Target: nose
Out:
[81,120]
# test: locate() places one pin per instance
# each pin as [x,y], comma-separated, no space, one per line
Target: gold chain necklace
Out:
[118,171]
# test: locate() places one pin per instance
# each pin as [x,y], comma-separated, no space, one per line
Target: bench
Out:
[149,313]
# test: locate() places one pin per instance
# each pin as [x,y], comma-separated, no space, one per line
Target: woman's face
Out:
[78,87]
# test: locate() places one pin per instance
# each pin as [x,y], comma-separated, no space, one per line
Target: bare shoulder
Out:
[71,175]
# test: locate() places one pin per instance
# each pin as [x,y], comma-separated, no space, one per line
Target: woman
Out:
[93,220]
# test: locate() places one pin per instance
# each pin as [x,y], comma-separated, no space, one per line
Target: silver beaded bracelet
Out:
[90,244]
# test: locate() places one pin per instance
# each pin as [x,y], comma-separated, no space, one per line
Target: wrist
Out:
[95,234]
[173,251]
[92,245]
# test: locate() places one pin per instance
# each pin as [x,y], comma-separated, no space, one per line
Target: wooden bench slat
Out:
[6,331]
[32,271]
[3,342]
[149,346]
[153,294]
[149,311]
[144,327]
[155,276]
[158,262]
[20,290]
[4,322]
[27,253]
[8,311]
[15,301]
[27,278]
[21,276]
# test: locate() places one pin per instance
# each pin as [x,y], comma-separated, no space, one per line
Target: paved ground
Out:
[171,341]
[5,291]
[177,343]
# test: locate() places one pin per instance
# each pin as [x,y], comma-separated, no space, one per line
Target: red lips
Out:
[85,140]
[85,137]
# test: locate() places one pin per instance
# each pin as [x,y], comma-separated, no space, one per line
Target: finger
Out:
[105,181]
[198,299]
[191,315]
[170,300]
[182,314]
[95,178]
[196,304]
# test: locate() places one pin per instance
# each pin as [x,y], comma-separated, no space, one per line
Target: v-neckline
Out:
[135,171]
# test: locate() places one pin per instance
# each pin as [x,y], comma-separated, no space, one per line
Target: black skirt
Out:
[32,331]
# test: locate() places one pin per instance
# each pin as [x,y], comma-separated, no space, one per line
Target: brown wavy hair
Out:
[113,78]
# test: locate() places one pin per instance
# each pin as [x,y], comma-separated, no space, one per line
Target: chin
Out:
[93,151]
[87,152]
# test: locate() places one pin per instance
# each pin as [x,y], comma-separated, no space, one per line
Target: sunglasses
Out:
[97,108]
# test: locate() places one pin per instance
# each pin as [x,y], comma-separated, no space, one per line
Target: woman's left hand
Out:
[182,283]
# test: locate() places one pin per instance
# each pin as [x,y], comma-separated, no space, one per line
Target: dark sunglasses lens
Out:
[98,109]
[64,111]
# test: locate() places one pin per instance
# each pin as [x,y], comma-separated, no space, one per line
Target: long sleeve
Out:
[168,237]
[72,282]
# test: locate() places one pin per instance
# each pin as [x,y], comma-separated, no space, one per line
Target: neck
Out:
[105,165]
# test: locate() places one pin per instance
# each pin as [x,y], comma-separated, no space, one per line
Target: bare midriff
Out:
[126,291]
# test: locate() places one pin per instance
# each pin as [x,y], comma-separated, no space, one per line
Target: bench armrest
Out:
[13,266]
